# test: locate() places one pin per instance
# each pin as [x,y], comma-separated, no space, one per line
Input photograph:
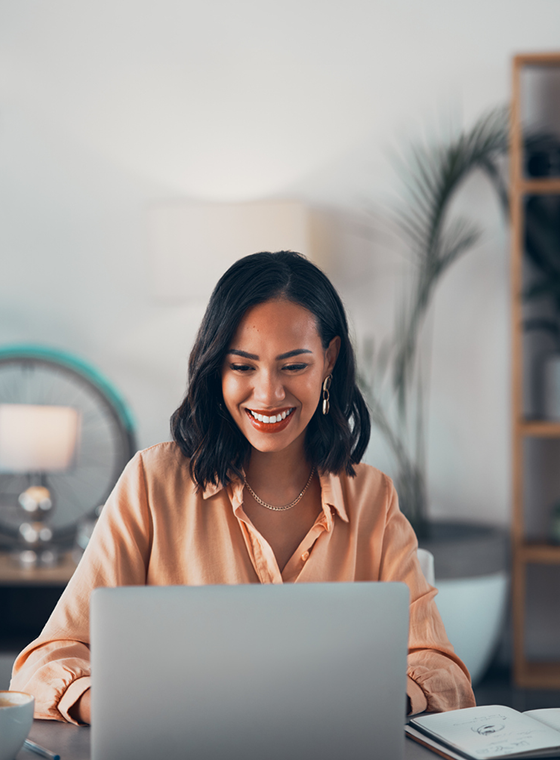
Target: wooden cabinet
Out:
[27,598]
[531,546]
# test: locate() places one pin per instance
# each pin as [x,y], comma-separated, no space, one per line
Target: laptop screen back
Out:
[250,672]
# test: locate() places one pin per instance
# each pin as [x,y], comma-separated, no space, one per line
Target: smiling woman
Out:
[274,324]
[269,392]
[262,484]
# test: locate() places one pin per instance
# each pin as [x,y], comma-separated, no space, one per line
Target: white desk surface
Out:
[73,743]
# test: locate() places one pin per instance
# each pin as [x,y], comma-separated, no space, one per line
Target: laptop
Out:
[249,672]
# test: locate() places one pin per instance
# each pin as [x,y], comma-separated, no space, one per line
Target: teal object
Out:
[25,351]
[38,374]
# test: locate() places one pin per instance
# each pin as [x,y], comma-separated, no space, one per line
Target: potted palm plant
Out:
[469,559]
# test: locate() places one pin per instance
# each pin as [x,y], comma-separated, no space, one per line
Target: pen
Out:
[40,750]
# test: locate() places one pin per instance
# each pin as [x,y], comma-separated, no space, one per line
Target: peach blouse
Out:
[156,529]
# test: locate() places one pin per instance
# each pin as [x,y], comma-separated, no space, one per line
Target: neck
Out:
[282,470]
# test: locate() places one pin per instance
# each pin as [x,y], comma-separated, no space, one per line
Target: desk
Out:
[27,598]
[11,574]
[69,741]
[73,742]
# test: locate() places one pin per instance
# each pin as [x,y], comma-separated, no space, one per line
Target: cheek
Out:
[311,392]
[232,390]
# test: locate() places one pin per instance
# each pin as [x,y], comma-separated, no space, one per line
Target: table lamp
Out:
[37,440]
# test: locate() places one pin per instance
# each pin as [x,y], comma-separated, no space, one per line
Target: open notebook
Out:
[489,732]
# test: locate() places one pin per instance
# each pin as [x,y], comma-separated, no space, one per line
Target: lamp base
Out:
[39,557]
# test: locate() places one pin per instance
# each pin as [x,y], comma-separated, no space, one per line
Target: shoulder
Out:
[162,461]
[368,480]
[166,454]
[370,492]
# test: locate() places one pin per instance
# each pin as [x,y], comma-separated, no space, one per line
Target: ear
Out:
[331,355]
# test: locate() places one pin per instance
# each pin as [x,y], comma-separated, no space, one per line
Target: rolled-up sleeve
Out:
[437,679]
[55,668]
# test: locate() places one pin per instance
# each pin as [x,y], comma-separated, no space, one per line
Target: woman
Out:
[262,484]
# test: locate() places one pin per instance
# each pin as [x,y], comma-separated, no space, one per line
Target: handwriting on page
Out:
[495,733]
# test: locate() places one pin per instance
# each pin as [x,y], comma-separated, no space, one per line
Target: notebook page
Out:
[438,747]
[548,715]
[489,732]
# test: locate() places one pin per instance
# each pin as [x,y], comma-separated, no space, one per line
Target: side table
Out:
[27,598]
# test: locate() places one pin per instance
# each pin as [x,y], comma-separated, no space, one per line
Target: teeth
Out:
[270,420]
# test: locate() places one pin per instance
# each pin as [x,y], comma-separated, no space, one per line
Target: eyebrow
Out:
[287,355]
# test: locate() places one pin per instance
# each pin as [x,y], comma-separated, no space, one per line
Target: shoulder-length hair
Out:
[202,426]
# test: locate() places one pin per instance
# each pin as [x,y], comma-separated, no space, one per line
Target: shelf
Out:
[527,673]
[539,429]
[13,575]
[539,553]
[540,186]
[538,675]
[536,59]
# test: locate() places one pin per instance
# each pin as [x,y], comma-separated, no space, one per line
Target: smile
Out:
[270,420]
[273,423]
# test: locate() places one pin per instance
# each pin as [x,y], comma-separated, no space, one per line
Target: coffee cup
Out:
[16,717]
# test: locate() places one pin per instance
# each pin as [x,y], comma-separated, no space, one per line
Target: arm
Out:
[80,712]
[55,668]
[437,679]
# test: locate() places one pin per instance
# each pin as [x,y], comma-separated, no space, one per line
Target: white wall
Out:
[110,105]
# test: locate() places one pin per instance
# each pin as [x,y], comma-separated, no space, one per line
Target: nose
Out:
[269,389]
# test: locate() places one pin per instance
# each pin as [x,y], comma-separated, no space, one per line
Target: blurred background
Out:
[111,109]
[107,108]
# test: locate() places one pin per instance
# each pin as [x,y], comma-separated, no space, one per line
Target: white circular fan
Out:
[40,376]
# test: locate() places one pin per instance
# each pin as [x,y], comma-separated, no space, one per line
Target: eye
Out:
[294,367]
[240,367]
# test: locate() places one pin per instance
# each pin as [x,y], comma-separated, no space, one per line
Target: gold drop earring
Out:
[326,395]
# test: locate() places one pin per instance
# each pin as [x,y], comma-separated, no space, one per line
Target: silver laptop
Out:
[252,672]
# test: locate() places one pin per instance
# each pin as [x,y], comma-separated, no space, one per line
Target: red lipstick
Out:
[270,427]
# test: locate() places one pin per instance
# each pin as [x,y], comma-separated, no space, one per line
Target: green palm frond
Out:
[432,175]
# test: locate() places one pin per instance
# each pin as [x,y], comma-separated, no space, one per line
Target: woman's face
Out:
[273,373]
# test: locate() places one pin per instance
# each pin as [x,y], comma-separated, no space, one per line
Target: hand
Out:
[81,710]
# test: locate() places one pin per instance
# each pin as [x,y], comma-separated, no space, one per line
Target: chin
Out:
[269,444]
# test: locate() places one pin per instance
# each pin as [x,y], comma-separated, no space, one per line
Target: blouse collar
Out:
[332,497]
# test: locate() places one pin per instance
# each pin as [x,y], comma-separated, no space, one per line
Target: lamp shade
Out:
[192,244]
[36,438]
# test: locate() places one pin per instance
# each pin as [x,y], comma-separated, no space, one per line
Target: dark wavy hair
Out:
[202,426]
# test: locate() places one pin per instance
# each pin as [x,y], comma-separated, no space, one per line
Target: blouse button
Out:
[305,556]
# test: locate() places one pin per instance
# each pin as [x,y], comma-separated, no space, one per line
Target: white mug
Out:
[16,717]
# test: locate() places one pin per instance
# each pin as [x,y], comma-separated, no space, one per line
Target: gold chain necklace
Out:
[286,506]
